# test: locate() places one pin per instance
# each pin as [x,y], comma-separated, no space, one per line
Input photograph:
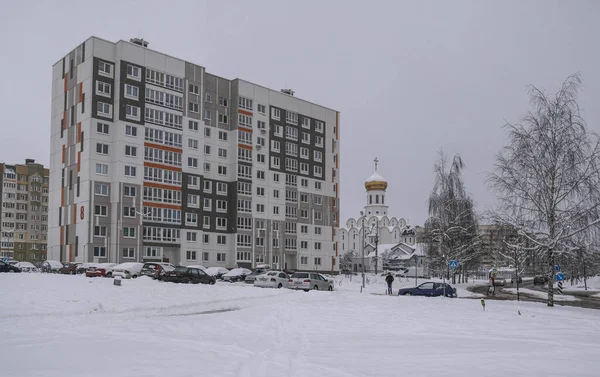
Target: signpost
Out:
[453,264]
[557,268]
[560,277]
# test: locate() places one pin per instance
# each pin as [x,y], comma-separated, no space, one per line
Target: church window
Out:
[382,199]
[370,199]
[376,199]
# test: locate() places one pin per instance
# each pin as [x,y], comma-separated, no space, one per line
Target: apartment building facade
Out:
[153,158]
[24,211]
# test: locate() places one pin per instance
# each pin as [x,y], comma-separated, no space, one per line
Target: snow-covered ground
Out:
[540,294]
[53,325]
[593,284]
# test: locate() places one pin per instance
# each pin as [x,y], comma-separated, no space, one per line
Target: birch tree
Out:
[547,178]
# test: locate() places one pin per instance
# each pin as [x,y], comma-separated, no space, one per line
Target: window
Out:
[130,151]
[261,125]
[221,206]
[193,125]
[193,181]
[318,216]
[222,170]
[244,137]
[261,108]
[244,205]
[221,223]
[105,69]
[205,256]
[221,257]
[103,88]
[99,231]
[318,185]
[275,177]
[101,148]
[275,193]
[291,117]
[101,189]
[206,132]
[244,188]
[133,72]
[260,158]
[222,240]
[260,191]
[207,149]
[190,255]
[304,244]
[244,120]
[318,156]
[100,210]
[223,135]
[275,146]
[222,153]
[101,169]
[245,103]
[128,211]
[195,108]
[319,127]
[100,251]
[207,114]
[317,246]
[303,260]
[192,162]
[193,201]
[130,130]
[305,122]
[102,128]
[244,240]
[208,98]
[244,154]
[223,118]
[223,101]
[305,138]
[208,186]
[304,229]
[303,168]
[206,222]
[206,238]
[260,174]
[260,208]
[318,141]
[222,188]
[193,143]
[132,92]
[104,109]
[318,261]
[173,82]
[318,171]
[291,133]
[318,230]
[275,113]
[276,210]
[191,219]
[277,130]
[207,204]
[244,171]
[129,191]
[304,213]
[261,141]
[129,232]
[207,167]
[193,89]
[129,253]
[130,171]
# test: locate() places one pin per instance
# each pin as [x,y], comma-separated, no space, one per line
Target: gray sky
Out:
[408,77]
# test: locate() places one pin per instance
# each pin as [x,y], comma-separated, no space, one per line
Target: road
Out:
[586,298]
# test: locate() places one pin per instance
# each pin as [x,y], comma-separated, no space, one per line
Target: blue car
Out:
[430,289]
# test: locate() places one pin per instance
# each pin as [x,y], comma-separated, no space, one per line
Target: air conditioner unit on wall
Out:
[258,147]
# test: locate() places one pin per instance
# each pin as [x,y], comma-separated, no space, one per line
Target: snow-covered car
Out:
[82,268]
[51,266]
[310,280]
[256,273]
[7,267]
[100,270]
[128,270]
[26,267]
[237,274]
[156,270]
[201,268]
[272,279]
[217,272]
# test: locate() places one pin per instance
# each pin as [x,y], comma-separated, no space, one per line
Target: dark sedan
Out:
[188,275]
[7,267]
[540,280]
[429,289]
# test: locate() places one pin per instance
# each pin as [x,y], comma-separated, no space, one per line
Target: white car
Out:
[128,270]
[26,267]
[217,272]
[51,266]
[237,274]
[272,279]
[310,280]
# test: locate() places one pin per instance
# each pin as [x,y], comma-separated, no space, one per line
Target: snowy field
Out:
[58,326]
[540,294]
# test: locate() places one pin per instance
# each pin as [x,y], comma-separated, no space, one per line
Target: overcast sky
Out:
[408,77]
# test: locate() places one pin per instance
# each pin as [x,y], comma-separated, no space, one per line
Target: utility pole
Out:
[363,248]
[517,274]
[376,245]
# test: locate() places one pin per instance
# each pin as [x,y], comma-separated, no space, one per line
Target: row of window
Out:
[292,118]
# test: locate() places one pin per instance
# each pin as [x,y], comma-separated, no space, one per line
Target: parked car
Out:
[310,280]
[26,267]
[7,267]
[499,282]
[51,266]
[82,268]
[347,272]
[188,275]
[217,272]
[69,269]
[237,274]
[100,270]
[540,280]
[429,289]
[156,270]
[129,270]
[519,279]
[272,279]
[200,267]
[253,275]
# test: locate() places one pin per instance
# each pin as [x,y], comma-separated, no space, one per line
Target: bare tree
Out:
[347,260]
[451,229]
[547,178]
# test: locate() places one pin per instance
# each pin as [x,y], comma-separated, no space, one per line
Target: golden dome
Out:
[376,183]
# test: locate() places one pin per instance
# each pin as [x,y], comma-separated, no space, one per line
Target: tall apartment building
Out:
[24,206]
[155,158]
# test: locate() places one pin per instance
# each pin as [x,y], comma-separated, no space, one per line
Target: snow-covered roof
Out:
[375,177]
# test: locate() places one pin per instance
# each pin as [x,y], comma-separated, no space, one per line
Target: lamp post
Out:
[376,245]
[363,248]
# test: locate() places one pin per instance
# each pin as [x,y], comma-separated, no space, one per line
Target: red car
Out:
[100,270]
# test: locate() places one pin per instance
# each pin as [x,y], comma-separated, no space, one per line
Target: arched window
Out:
[382,199]
[376,199]
[370,199]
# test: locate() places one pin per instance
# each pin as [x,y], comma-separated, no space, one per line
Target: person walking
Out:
[389,279]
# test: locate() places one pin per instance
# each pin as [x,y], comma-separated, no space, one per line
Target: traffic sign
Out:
[557,268]
[453,264]
[560,276]
[5,259]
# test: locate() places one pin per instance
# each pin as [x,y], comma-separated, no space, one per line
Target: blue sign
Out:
[5,259]
[453,264]
[557,268]
[560,276]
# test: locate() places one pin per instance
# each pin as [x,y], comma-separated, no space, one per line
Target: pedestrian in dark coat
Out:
[389,279]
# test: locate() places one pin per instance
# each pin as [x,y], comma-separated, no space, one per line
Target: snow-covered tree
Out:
[346,260]
[547,178]
[451,231]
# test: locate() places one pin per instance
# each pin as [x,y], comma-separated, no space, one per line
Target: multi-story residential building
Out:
[24,206]
[152,157]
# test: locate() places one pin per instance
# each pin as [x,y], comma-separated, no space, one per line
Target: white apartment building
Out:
[153,158]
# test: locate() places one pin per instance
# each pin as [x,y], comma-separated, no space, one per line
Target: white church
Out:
[381,237]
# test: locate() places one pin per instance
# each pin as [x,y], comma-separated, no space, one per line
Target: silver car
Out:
[310,280]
